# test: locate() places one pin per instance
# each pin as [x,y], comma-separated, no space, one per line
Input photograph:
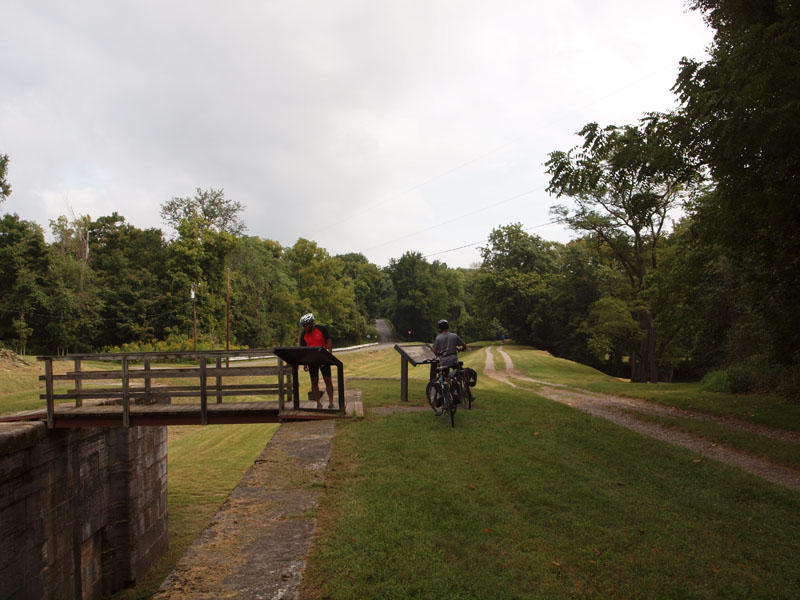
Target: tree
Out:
[372,287]
[5,187]
[476,322]
[514,283]
[624,181]
[574,288]
[425,293]
[743,121]
[24,269]
[264,304]
[75,305]
[695,296]
[322,288]
[209,210]
[130,267]
[208,227]
[611,329]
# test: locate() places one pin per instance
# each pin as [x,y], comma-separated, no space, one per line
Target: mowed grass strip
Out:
[527,498]
[204,464]
[780,452]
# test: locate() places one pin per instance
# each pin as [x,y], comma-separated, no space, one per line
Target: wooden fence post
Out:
[203,392]
[295,388]
[126,396]
[219,380]
[78,382]
[280,385]
[147,381]
[48,386]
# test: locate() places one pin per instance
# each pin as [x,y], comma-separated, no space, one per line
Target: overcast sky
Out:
[366,125]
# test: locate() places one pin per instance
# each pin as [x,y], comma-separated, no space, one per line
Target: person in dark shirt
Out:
[446,347]
[317,335]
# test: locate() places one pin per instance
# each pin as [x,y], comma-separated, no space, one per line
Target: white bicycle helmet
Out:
[307,319]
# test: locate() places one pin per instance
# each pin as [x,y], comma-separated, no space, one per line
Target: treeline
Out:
[104,283]
[636,294]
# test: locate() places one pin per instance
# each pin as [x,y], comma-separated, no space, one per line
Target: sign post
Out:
[416,355]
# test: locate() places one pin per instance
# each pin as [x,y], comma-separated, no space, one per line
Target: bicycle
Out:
[463,382]
[440,395]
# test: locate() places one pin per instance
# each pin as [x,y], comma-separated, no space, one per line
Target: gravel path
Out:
[612,409]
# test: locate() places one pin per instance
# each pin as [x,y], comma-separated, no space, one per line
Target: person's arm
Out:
[327,337]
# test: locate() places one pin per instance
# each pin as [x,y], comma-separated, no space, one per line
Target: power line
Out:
[465,215]
[486,240]
[481,156]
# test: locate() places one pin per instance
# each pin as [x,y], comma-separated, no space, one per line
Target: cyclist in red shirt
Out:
[317,335]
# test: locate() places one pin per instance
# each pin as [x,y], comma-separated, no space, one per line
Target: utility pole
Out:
[194,318]
[228,319]
[358,321]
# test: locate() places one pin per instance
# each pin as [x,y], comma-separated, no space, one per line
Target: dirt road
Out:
[622,411]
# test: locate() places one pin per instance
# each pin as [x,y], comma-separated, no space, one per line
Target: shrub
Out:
[741,378]
[173,343]
[715,381]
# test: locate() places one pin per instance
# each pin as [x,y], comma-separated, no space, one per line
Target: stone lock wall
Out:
[83,512]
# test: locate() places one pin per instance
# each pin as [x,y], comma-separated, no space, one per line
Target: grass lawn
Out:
[527,498]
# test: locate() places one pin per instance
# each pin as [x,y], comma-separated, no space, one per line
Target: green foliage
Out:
[372,287]
[741,108]
[624,181]
[5,187]
[208,210]
[23,280]
[264,303]
[716,381]
[130,266]
[574,288]
[611,328]
[322,288]
[425,293]
[172,343]
[514,282]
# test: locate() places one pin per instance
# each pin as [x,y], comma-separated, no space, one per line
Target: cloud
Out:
[344,122]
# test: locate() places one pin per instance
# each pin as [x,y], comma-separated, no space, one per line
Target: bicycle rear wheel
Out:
[450,406]
[468,397]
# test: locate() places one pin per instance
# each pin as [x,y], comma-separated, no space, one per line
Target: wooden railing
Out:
[134,379]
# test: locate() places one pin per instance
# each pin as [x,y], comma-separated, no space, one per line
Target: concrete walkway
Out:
[256,544]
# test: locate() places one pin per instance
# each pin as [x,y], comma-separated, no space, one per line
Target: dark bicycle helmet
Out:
[443,324]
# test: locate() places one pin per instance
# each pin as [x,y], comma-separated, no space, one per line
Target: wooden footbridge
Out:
[155,388]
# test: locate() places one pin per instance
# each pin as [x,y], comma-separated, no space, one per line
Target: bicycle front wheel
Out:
[434,396]
[450,406]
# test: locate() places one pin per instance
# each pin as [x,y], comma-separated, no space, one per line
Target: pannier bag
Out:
[472,376]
